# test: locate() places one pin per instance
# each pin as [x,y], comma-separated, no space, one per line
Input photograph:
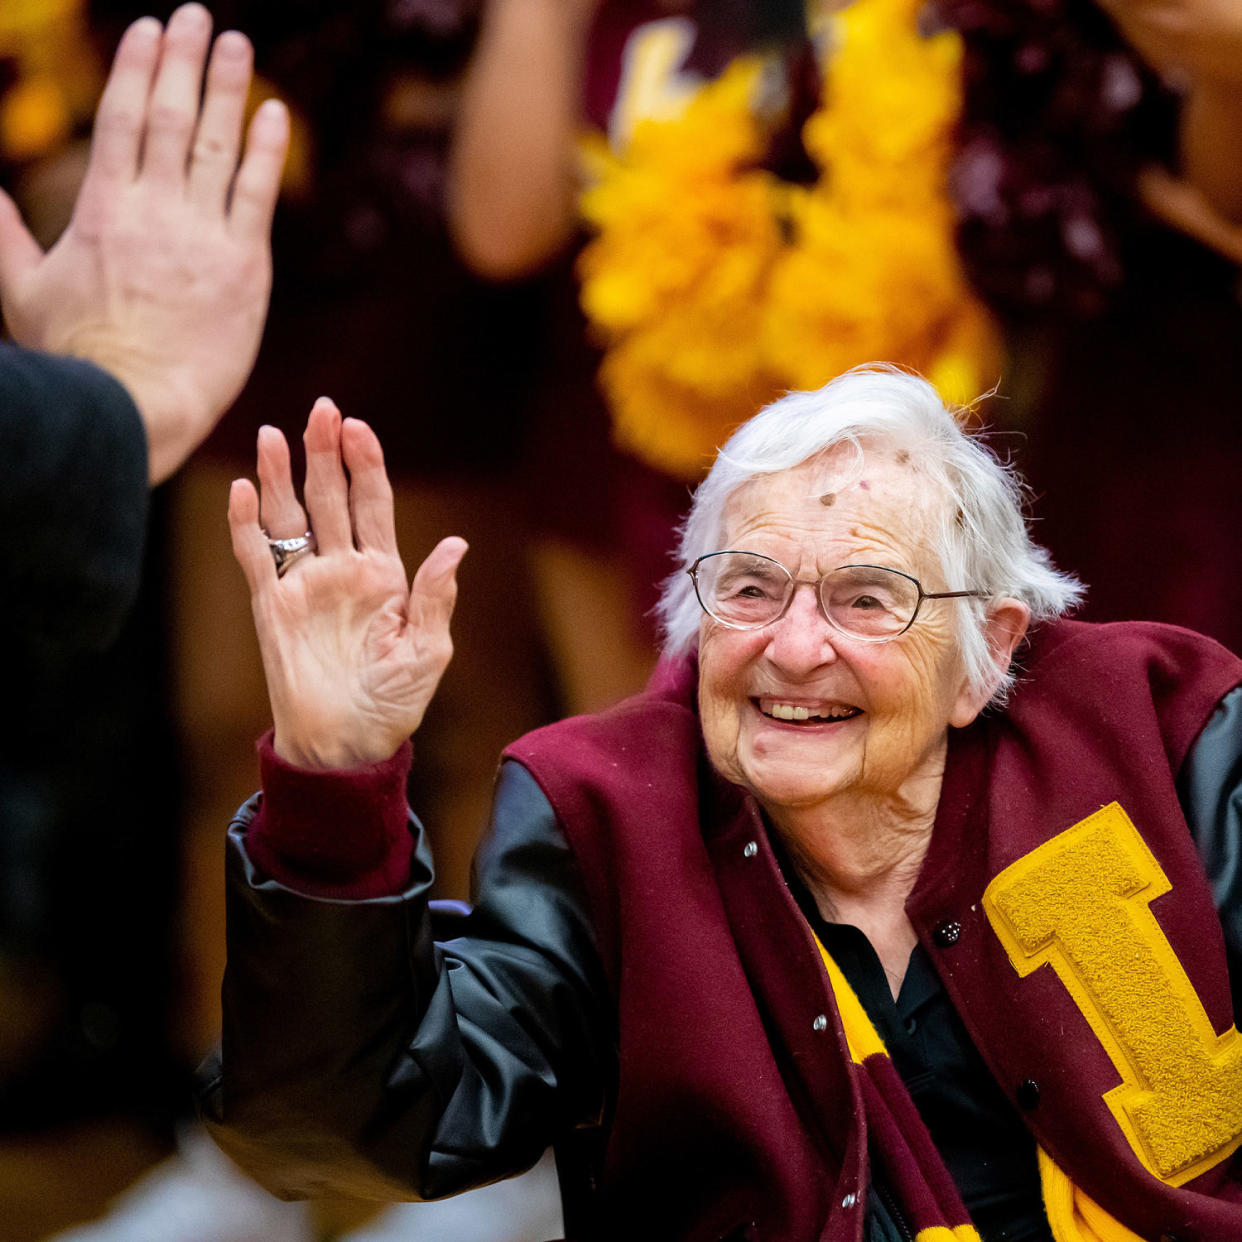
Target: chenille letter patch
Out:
[1080,903]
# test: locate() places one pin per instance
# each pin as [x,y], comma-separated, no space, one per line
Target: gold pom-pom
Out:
[714,286]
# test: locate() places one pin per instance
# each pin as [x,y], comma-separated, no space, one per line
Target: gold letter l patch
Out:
[1080,903]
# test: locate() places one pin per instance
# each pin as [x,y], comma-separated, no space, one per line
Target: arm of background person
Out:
[512,171]
[1211,140]
[1178,203]
[163,274]
[1197,44]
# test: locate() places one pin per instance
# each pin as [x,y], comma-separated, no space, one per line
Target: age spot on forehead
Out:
[828,499]
[903,457]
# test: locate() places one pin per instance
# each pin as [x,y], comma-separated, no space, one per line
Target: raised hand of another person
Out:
[163,274]
[351,653]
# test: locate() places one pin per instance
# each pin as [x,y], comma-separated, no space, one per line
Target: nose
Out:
[802,640]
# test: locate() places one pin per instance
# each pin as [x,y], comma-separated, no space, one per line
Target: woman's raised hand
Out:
[352,655]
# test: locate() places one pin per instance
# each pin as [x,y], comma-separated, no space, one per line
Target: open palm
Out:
[352,654]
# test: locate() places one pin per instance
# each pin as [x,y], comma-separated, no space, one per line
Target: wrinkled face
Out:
[870,718]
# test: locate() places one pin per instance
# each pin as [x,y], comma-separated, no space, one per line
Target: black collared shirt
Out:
[988,1151]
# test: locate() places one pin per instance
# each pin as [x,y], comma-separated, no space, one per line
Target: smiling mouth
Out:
[798,713]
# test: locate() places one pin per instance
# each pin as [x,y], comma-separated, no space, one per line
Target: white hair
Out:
[983,541]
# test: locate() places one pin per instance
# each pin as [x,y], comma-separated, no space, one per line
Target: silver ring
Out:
[286,551]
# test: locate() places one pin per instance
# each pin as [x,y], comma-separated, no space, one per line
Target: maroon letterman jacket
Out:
[1062,901]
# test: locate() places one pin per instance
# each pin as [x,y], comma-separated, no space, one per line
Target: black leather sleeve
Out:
[362,1057]
[73,503]
[1210,789]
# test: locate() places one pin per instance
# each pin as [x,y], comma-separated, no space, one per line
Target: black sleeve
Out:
[73,500]
[1210,789]
[361,1057]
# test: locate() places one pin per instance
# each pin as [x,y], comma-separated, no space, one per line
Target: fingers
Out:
[326,491]
[257,184]
[19,252]
[250,546]
[434,591]
[343,511]
[150,115]
[217,140]
[370,493]
[172,113]
[280,514]
[119,120]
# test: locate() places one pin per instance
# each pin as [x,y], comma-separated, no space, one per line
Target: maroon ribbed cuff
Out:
[338,833]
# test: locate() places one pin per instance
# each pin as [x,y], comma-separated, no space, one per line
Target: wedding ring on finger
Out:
[286,551]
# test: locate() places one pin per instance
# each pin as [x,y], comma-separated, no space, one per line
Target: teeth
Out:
[794,711]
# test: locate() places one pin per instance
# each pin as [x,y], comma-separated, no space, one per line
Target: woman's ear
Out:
[1003,629]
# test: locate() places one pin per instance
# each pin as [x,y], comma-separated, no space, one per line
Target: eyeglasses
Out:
[747,591]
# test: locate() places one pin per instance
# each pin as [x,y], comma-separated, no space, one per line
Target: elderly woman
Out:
[892,909]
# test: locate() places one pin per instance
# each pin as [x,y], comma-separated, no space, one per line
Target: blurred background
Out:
[553,251]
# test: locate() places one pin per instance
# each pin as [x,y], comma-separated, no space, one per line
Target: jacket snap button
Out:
[849,1200]
[820,1023]
[949,932]
[750,849]
[1028,1093]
